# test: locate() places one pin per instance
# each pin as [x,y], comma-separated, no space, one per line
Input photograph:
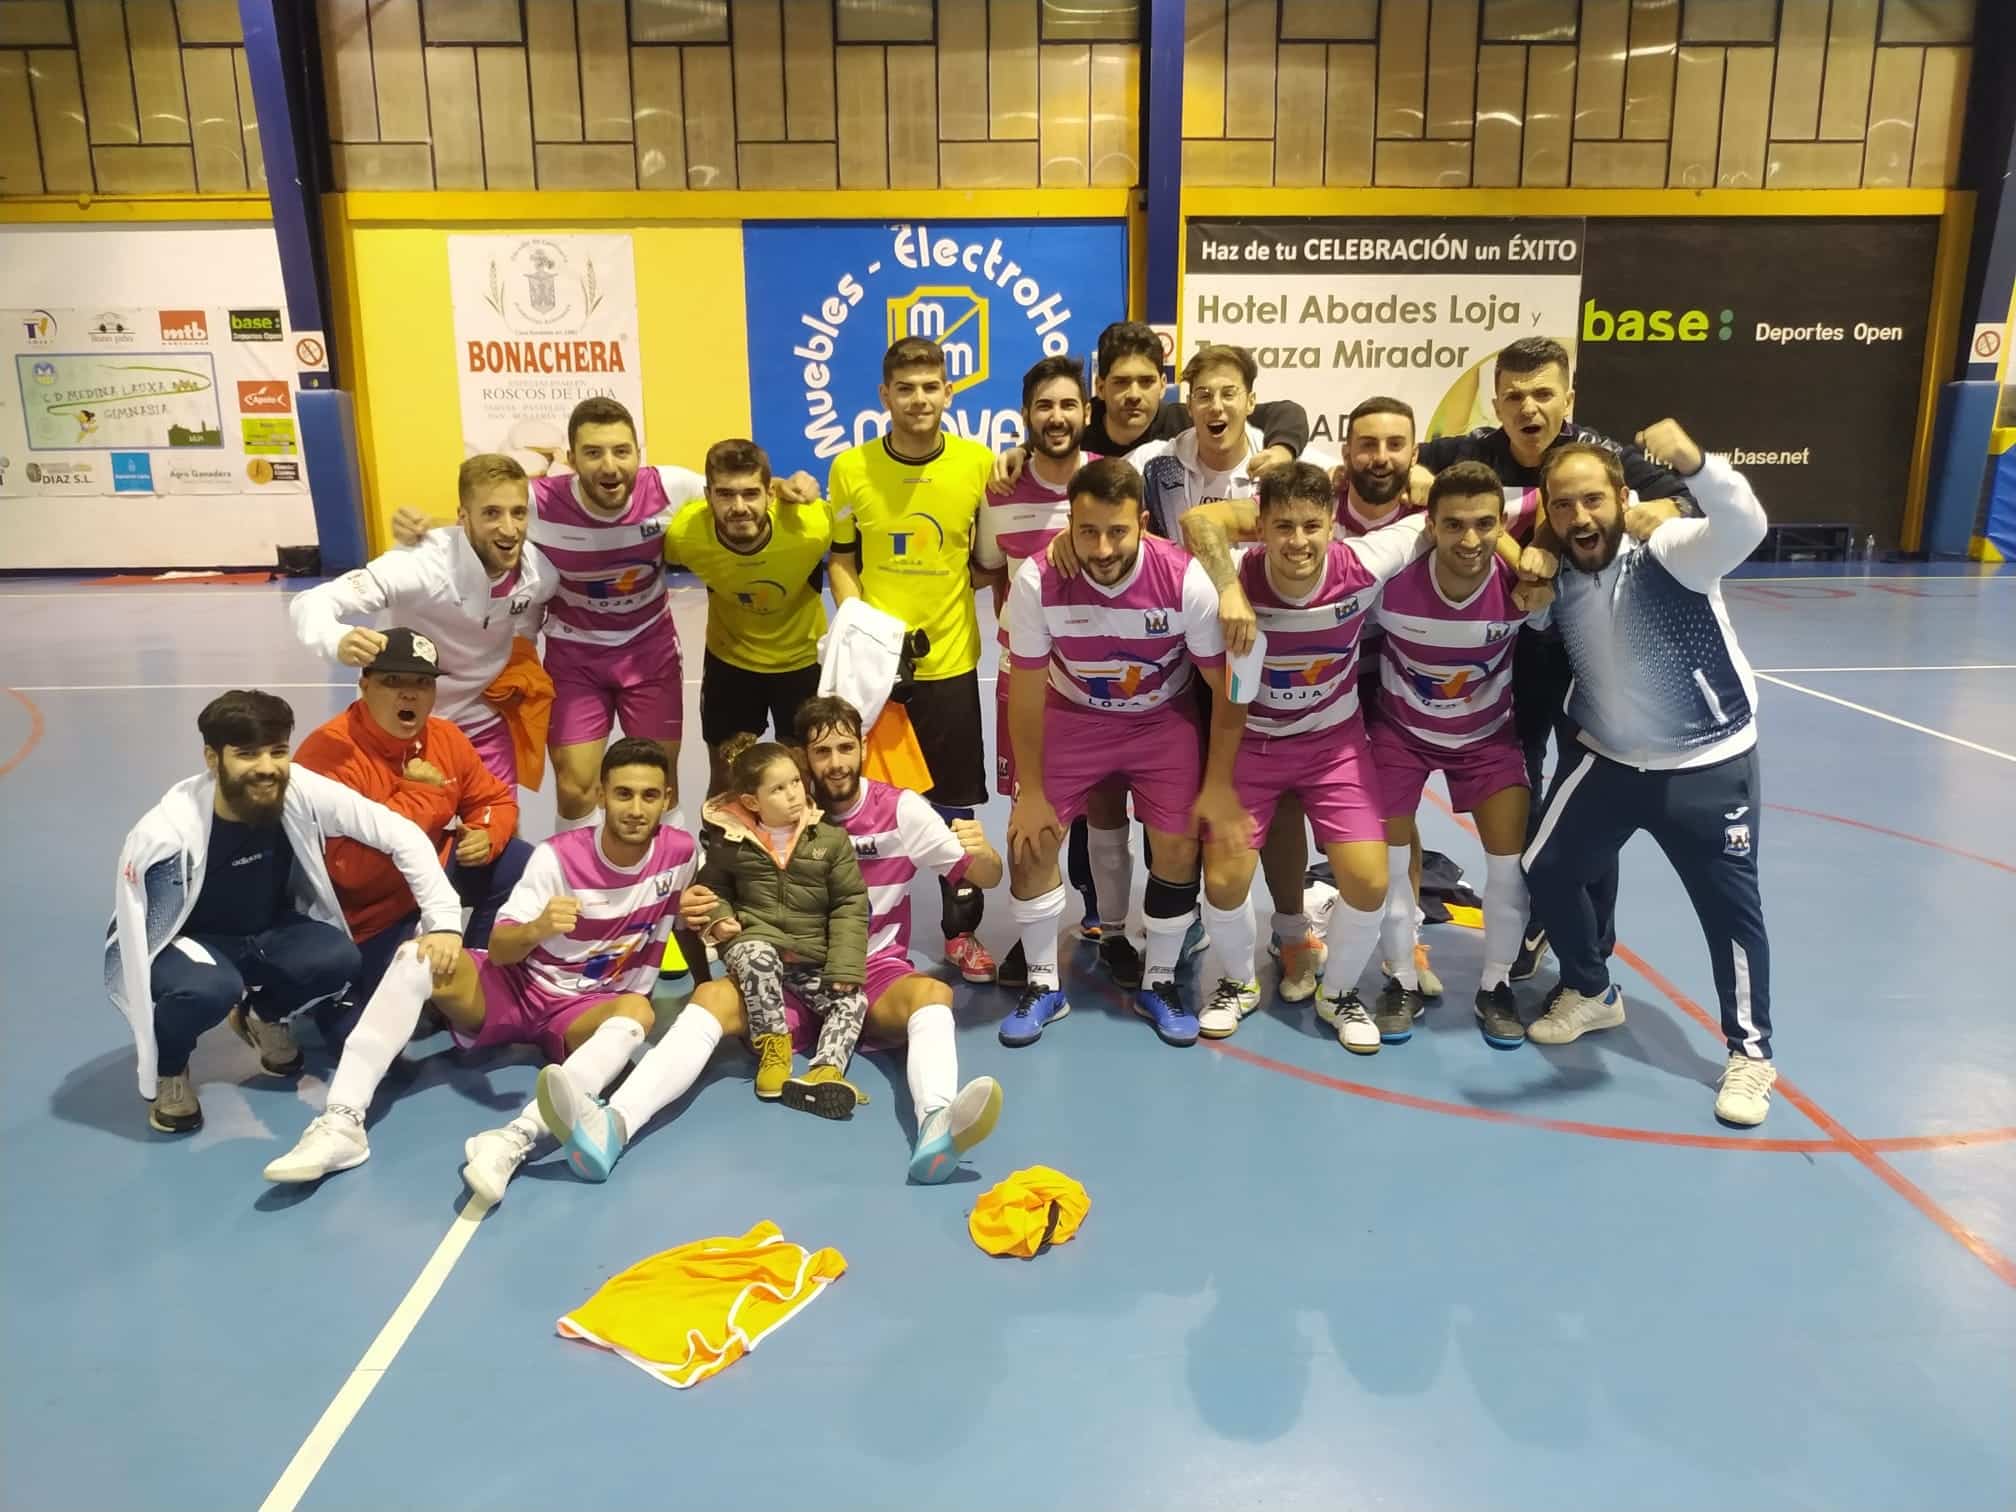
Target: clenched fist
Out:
[359,648]
[558,917]
[425,771]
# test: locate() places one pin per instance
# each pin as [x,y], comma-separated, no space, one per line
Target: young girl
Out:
[793,917]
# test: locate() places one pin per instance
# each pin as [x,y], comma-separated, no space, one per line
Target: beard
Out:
[1374,487]
[1606,548]
[1045,445]
[256,801]
[838,789]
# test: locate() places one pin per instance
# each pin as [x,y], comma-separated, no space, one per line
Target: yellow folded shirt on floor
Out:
[1027,1212]
[691,1312]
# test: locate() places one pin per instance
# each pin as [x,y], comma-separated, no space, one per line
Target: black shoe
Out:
[1531,948]
[1122,961]
[1396,1011]
[1498,1018]
[1013,972]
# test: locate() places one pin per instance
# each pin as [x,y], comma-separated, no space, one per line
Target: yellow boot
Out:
[824,1091]
[773,1065]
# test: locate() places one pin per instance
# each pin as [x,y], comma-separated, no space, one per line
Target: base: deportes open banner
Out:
[1792,345]
[1339,310]
[826,301]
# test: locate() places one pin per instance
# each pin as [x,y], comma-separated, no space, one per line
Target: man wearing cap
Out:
[389,747]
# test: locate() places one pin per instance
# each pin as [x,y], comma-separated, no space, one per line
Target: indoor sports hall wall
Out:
[681,122]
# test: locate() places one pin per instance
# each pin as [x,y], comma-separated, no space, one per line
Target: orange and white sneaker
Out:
[1302,962]
[1431,984]
[971,957]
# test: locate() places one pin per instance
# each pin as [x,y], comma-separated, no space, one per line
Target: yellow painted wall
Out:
[400,355]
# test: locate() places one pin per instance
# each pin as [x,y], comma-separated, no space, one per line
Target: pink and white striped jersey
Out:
[1351,524]
[1445,673]
[896,834]
[626,915]
[1309,666]
[1021,523]
[612,571]
[1127,649]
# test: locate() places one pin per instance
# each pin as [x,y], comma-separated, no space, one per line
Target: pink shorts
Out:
[495,750]
[1158,756]
[884,970]
[1329,770]
[511,1017]
[637,684]
[1473,772]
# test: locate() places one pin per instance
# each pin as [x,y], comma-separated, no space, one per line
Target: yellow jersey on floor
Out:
[691,1312]
[913,525]
[764,613]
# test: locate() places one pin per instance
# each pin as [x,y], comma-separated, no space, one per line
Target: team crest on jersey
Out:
[650,530]
[1348,608]
[1736,840]
[1158,621]
[520,604]
[1496,631]
[663,886]
[865,848]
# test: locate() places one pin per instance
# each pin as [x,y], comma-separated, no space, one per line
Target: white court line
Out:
[1820,581]
[1891,718]
[1970,667]
[336,1417]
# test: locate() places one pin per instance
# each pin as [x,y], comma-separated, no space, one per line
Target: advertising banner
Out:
[826,301]
[1793,346]
[541,323]
[1337,311]
[146,401]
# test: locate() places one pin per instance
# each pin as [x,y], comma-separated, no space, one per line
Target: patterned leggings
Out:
[762,976]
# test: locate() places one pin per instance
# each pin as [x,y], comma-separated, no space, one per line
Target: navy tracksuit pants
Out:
[1706,820]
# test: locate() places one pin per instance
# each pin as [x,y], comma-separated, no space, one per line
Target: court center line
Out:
[357,1387]
[1890,718]
[1875,1164]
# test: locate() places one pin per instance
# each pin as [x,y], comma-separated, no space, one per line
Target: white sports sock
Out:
[667,1070]
[1397,929]
[1038,920]
[1352,936]
[592,1067]
[1290,927]
[933,1061]
[383,1030]
[1111,854]
[1504,918]
[1232,938]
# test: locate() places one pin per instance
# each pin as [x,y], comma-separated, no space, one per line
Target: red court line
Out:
[34,731]
[1862,1150]
[1895,834]
[1617,1132]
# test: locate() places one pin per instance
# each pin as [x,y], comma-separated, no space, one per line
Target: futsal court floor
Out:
[1441,1277]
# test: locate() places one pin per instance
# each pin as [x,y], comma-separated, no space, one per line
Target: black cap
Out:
[407,651]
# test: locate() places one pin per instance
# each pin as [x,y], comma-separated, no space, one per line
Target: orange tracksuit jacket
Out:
[353,750]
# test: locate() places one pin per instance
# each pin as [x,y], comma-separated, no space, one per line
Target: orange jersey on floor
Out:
[691,1312]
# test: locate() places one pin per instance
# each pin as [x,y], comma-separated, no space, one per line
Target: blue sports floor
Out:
[1443,1277]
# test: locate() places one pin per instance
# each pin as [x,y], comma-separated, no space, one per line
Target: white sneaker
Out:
[333,1142]
[1355,1030]
[493,1159]
[1230,1003]
[1746,1091]
[1570,1015]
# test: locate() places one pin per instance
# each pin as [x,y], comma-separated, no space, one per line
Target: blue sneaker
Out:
[945,1135]
[1037,1010]
[591,1135]
[1162,1005]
